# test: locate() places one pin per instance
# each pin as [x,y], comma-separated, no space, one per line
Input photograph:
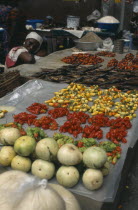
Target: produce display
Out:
[24,118]
[37,108]
[36,133]
[58,112]
[47,149]
[45,122]
[49,159]
[129,62]
[83,59]
[21,163]
[90,150]
[62,139]
[9,135]
[41,155]
[94,157]
[7,108]
[122,74]
[24,145]
[111,102]
[69,155]
[43,169]
[112,63]
[7,153]
[14,125]
[92,179]
[67,176]
[2,113]
[106,54]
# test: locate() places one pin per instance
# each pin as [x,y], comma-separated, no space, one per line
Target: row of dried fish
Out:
[92,75]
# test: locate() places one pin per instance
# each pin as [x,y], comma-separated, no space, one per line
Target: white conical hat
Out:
[34,35]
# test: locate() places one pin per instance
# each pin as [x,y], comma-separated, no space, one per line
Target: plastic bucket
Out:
[73,21]
[119,46]
[126,45]
[34,23]
[112,27]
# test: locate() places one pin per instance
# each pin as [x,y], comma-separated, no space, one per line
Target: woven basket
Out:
[9,81]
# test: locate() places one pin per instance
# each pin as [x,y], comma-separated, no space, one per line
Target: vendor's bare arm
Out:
[26,57]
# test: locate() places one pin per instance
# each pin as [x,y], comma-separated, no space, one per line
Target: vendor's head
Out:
[33,42]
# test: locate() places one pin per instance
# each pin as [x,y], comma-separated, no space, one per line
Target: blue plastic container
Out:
[112,27]
[34,22]
[1,29]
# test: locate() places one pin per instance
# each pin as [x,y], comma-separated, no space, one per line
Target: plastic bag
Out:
[94,16]
[19,190]
[126,34]
[107,45]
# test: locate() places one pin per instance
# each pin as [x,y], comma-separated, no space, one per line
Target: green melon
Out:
[25,145]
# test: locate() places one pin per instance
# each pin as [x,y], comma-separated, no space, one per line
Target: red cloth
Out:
[13,55]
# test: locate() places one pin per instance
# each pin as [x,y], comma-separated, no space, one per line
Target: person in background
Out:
[134,26]
[13,23]
[4,14]
[134,20]
[33,48]
[16,27]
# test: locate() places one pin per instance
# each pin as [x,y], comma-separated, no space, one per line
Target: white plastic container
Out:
[73,21]
[126,45]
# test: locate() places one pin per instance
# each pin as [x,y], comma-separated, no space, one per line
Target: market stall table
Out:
[38,90]
[66,37]
[105,71]
[53,61]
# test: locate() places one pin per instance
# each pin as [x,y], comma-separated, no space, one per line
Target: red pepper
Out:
[55,105]
[109,154]
[22,132]
[37,108]
[80,144]
[58,112]
[115,142]
[124,140]
[36,135]
[118,149]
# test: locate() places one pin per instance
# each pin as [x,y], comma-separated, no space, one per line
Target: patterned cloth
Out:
[13,55]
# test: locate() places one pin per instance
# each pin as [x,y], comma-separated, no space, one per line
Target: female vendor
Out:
[32,49]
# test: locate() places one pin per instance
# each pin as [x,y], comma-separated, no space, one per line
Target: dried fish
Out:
[90,75]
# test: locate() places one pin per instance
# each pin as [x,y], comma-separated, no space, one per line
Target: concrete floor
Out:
[129,198]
